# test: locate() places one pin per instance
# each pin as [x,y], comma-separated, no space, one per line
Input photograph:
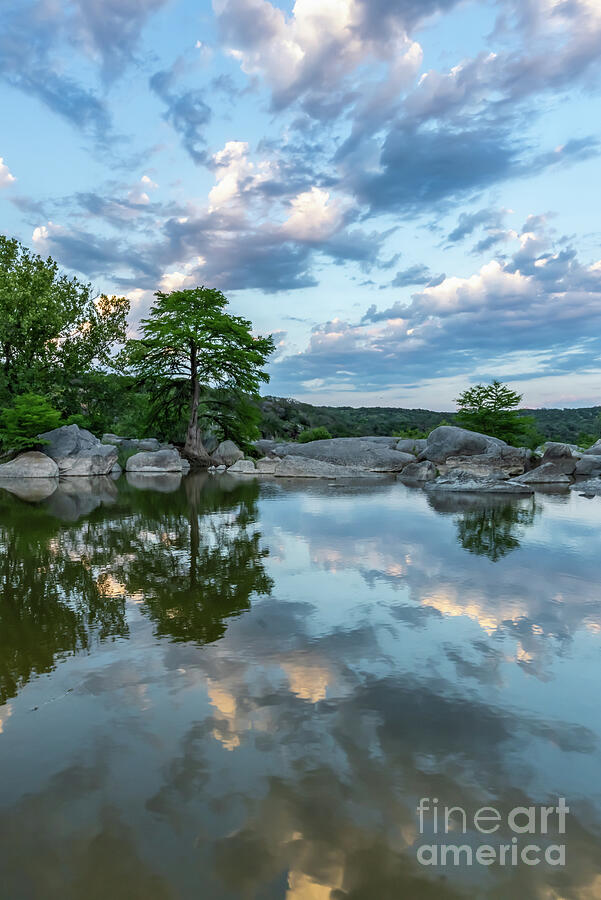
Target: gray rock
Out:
[498,462]
[109,438]
[226,454]
[411,445]
[221,468]
[589,488]
[588,465]
[243,467]
[419,471]
[33,490]
[185,465]
[30,465]
[548,473]
[448,440]
[558,447]
[266,446]
[139,445]
[155,462]
[560,456]
[266,466]
[595,450]
[77,452]
[353,452]
[458,480]
[305,467]
[382,441]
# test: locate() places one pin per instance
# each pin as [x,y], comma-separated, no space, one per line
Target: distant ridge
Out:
[285,418]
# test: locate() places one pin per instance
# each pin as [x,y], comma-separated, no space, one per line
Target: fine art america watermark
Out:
[439,825]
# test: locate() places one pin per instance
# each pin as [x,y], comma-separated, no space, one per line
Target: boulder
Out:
[411,445]
[595,450]
[155,462]
[109,438]
[139,445]
[353,452]
[449,440]
[266,466]
[226,454]
[588,465]
[560,456]
[382,441]
[419,471]
[305,467]
[185,465]
[77,452]
[548,473]
[266,446]
[457,480]
[590,488]
[243,467]
[549,445]
[30,465]
[499,462]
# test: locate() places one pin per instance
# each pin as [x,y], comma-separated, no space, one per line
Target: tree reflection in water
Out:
[488,526]
[193,560]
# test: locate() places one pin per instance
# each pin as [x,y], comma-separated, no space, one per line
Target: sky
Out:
[405,193]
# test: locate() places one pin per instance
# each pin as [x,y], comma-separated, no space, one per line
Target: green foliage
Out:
[314,434]
[29,415]
[586,440]
[189,342]
[286,419]
[492,409]
[415,434]
[52,328]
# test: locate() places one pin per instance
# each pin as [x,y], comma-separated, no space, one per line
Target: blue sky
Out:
[404,192]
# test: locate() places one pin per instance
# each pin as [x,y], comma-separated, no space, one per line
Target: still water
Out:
[222,688]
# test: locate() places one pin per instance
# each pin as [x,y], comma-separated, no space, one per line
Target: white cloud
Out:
[235,175]
[187,278]
[317,46]
[314,216]
[6,176]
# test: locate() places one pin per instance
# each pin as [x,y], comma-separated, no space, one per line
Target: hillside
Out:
[286,418]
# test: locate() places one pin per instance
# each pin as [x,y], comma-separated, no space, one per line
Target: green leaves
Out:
[52,328]
[189,335]
[492,409]
[21,423]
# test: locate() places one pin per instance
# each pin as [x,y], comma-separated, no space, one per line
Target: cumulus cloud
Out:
[308,55]
[6,176]
[541,301]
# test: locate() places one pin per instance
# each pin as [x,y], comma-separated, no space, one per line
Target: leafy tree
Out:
[189,338]
[20,423]
[314,434]
[52,327]
[492,409]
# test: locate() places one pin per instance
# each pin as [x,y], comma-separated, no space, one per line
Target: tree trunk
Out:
[194,449]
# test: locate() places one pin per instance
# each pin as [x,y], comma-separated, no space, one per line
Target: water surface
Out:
[220,688]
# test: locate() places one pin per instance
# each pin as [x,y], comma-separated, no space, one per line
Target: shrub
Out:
[314,434]
[21,423]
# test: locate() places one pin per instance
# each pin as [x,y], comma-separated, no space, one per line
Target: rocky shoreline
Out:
[451,459]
